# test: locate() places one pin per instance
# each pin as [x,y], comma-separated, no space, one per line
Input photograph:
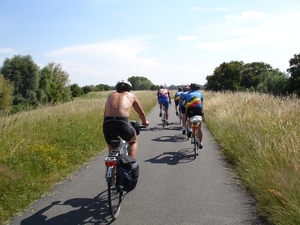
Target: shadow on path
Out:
[173,158]
[83,211]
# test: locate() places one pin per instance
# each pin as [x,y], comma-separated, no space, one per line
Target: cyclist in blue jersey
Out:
[194,106]
[185,90]
[176,100]
[163,97]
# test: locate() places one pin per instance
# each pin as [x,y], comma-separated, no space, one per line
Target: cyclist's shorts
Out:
[176,103]
[164,100]
[194,112]
[118,125]
[182,110]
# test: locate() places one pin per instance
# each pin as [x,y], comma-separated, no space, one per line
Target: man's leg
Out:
[160,109]
[133,145]
[167,111]
[200,135]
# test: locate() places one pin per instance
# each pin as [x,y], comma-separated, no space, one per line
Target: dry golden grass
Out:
[260,135]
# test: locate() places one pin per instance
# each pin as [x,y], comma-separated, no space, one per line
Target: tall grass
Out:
[40,147]
[260,136]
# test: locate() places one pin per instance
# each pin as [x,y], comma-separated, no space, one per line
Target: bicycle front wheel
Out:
[114,199]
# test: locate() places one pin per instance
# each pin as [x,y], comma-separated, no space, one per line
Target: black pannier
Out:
[127,173]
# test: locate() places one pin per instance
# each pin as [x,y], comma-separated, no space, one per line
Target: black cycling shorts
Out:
[117,125]
[182,109]
[194,112]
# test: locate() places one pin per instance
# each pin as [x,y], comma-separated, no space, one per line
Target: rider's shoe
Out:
[200,145]
[176,113]
[189,134]
[167,122]
[160,114]
[183,131]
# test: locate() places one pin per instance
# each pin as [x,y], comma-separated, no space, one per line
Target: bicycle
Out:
[116,194]
[192,132]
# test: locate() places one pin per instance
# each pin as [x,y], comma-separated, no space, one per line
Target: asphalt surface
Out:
[174,187]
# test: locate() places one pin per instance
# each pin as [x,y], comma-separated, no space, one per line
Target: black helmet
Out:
[195,86]
[180,89]
[123,85]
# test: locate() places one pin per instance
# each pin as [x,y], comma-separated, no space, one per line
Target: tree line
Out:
[23,85]
[256,76]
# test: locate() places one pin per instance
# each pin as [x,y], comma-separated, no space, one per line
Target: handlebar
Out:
[137,126]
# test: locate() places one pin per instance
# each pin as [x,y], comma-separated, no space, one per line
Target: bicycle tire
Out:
[115,198]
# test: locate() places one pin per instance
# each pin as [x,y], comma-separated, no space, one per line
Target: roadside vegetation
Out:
[259,134]
[41,147]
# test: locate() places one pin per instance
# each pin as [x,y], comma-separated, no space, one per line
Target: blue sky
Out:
[167,41]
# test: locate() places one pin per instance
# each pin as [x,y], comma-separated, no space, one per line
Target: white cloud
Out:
[247,15]
[187,38]
[273,40]
[106,62]
[220,9]
[7,51]
[196,9]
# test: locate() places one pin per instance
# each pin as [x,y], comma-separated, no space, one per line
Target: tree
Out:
[227,76]
[55,80]
[252,74]
[6,93]
[140,83]
[76,90]
[88,88]
[45,85]
[273,82]
[24,74]
[293,85]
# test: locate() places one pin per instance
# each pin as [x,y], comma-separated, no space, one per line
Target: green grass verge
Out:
[43,146]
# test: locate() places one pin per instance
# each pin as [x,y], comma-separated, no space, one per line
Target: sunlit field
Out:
[260,136]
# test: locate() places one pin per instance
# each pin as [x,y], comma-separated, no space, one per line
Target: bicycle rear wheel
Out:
[115,198]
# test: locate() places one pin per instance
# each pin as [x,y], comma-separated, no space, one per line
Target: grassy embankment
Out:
[40,147]
[260,134]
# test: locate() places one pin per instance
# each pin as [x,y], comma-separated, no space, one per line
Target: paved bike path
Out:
[174,188]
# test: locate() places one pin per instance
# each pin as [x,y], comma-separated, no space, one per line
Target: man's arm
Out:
[138,108]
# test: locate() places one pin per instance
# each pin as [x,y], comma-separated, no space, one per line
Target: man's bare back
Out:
[120,104]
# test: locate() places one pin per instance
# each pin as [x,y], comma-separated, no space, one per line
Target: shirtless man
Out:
[116,116]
